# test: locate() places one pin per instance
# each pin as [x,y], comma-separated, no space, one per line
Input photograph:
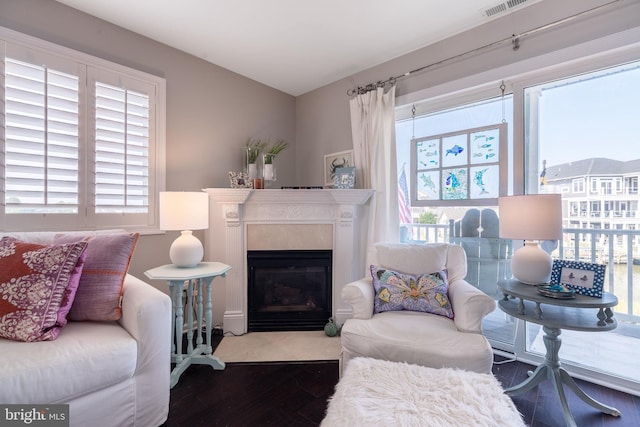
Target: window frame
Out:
[89,66]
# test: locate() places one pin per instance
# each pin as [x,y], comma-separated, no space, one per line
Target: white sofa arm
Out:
[146,315]
[360,295]
[470,306]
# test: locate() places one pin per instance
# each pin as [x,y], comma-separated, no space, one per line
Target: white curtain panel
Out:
[374,148]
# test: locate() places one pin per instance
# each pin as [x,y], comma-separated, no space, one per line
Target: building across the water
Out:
[597,193]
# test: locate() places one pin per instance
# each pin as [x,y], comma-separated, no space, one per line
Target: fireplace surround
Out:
[243,220]
[288,290]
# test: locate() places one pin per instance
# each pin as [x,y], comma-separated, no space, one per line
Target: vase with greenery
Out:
[252,152]
[269,158]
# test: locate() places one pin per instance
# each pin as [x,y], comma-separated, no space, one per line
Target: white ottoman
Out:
[375,392]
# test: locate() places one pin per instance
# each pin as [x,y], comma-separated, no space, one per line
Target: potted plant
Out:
[269,171]
[253,149]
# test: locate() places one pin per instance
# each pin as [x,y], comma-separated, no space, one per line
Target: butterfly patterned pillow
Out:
[395,291]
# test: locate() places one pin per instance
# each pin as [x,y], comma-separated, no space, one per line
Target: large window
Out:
[574,130]
[82,139]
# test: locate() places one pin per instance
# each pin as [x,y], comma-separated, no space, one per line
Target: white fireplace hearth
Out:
[244,219]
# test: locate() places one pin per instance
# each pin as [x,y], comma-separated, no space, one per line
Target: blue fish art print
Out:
[452,181]
[485,146]
[428,182]
[488,156]
[479,180]
[455,150]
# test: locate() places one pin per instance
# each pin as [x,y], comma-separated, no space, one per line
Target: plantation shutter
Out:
[121,150]
[41,149]
[123,138]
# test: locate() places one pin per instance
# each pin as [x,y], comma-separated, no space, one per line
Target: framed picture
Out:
[345,178]
[584,277]
[240,180]
[333,161]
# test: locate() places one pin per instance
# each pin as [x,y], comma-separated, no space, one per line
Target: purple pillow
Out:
[33,282]
[395,291]
[106,264]
[69,294]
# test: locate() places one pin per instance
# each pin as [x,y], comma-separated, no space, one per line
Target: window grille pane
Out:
[121,150]
[41,150]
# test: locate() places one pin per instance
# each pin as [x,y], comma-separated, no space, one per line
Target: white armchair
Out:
[415,337]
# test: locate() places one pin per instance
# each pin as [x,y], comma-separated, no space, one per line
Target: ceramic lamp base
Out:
[531,265]
[186,250]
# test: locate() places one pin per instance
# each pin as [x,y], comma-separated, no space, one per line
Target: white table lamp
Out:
[531,218]
[185,211]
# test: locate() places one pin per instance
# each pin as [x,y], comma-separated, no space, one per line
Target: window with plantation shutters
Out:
[82,140]
[41,139]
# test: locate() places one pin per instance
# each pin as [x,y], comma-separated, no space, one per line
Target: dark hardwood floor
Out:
[295,394]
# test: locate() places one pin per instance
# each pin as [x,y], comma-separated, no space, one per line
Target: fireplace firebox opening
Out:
[289,290]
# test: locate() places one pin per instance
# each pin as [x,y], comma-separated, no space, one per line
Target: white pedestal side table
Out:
[557,314]
[195,279]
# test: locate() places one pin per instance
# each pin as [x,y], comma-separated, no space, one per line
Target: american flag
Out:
[403,199]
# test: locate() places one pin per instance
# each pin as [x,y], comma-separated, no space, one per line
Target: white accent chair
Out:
[414,337]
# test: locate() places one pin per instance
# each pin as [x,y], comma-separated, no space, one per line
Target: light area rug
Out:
[278,347]
[382,393]
[603,351]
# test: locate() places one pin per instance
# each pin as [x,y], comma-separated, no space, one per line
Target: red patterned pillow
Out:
[33,288]
[106,264]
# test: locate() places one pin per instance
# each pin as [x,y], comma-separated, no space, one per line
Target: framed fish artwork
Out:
[460,168]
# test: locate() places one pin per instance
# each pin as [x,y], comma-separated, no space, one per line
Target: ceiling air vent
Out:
[505,7]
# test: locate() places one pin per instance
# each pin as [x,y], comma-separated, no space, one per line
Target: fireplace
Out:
[244,220]
[288,290]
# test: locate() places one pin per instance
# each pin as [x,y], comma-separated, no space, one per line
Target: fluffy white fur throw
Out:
[380,393]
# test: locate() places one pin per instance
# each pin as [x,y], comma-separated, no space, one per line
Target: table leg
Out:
[550,369]
[172,295]
[189,316]
[179,323]
[209,316]
[566,378]
[199,314]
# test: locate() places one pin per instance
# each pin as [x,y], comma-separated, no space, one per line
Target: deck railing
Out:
[618,249]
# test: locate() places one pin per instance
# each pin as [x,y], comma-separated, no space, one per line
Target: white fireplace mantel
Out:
[235,211]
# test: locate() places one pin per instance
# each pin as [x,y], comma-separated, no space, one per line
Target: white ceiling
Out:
[295,45]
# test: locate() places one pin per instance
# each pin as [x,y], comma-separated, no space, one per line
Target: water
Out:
[624,290]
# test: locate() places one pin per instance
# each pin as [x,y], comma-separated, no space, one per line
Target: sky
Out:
[596,118]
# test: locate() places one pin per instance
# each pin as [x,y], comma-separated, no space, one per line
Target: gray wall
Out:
[210,111]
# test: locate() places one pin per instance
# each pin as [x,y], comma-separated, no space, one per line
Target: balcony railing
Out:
[618,249]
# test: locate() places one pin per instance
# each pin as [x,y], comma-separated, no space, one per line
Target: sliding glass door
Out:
[583,141]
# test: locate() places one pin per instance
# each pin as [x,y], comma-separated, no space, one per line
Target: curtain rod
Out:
[515,41]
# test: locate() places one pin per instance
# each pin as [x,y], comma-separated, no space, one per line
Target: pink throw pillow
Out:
[106,263]
[33,288]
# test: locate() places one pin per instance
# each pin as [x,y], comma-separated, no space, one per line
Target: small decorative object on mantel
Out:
[345,178]
[333,161]
[252,152]
[240,180]
[269,157]
[331,329]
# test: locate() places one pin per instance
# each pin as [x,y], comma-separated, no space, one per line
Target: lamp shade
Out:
[184,210]
[531,217]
